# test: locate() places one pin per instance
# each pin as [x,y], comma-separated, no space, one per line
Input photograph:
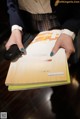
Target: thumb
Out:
[21,48]
[68,55]
[55,49]
[20,45]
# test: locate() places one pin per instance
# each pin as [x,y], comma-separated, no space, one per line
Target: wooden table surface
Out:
[46,103]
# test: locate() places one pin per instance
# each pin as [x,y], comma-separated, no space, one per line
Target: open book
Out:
[38,68]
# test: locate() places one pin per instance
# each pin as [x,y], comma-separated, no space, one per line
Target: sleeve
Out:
[13,12]
[68,32]
[72,25]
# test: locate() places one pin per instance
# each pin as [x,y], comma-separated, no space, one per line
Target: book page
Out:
[39,85]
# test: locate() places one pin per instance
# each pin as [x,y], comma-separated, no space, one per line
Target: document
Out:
[37,68]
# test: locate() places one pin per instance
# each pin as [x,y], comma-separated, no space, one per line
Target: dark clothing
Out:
[39,22]
[68,15]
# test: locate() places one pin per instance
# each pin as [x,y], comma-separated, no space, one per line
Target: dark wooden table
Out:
[62,102]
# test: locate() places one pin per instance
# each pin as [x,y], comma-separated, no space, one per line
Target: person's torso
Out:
[35,6]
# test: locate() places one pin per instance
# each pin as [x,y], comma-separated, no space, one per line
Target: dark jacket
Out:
[68,14]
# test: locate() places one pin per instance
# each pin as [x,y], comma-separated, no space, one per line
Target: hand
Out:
[15,38]
[64,41]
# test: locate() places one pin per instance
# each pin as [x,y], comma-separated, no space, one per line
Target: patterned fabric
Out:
[45,22]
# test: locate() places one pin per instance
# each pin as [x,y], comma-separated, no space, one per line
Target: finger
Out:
[8,45]
[73,50]
[55,49]
[20,45]
[70,51]
[68,55]
[19,40]
[23,50]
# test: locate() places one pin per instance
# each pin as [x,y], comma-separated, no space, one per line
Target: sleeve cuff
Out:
[16,27]
[68,32]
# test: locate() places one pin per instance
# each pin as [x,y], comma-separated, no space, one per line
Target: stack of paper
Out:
[38,68]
